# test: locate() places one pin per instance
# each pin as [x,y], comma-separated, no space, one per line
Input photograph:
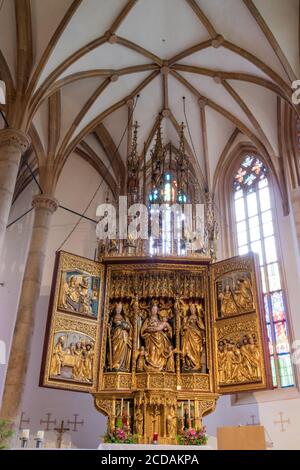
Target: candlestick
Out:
[24,438]
[39,439]
[121,406]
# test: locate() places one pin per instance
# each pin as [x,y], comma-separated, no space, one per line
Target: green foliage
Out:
[6,432]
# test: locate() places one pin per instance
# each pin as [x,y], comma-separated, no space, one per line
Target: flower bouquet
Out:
[193,437]
[119,436]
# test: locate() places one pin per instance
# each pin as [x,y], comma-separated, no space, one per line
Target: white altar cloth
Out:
[152,447]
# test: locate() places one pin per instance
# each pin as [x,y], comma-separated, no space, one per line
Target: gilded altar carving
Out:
[235,294]
[65,323]
[119,340]
[192,338]
[168,337]
[239,361]
[157,336]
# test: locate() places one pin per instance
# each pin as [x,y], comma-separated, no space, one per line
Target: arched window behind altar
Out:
[170,237]
[255,231]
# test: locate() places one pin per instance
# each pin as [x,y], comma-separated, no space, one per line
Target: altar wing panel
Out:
[241,358]
[71,348]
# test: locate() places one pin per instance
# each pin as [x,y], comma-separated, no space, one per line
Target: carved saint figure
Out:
[192,338]
[228,305]
[171,423]
[57,357]
[140,365]
[243,294]
[87,366]
[70,295]
[77,369]
[157,336]
[120,340]
[85,298]
[139,421]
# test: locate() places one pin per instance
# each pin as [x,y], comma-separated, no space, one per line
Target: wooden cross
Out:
[282,422]
[60,432]
[48,422]
[23,421]
[253,421]
[75,422]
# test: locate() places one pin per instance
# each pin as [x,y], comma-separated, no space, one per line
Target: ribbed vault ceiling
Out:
[87,60]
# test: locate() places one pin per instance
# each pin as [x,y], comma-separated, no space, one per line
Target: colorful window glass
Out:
[254,221]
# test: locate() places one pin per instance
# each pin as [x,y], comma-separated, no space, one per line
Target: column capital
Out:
[15,138]
[45,201]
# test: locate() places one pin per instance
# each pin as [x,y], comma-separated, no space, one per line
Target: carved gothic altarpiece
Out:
[156,341]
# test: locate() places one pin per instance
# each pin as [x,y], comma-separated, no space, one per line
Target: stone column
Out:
[44,206]
[295,196]
[13,144]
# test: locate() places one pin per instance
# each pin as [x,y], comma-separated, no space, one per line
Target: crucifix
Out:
[60,432]
[48,422]
[75,423]
[253,421]
[23,421]
[282,422]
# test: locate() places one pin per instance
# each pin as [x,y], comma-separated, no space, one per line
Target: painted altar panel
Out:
[71,350]
[240,353]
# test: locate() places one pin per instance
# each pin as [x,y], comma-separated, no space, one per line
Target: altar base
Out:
[158,448]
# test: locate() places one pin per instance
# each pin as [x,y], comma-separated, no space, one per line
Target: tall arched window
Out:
[170,236]
[255,231]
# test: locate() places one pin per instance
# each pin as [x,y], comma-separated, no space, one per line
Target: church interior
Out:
[149,222]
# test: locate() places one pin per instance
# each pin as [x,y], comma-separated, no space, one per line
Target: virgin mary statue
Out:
[157,337]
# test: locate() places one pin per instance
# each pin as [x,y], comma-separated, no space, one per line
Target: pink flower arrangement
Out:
[193,437]
[119,436]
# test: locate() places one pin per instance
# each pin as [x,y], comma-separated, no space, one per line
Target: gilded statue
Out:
[120,340]
[171,423]
[228,304]
[77,369]
[87,366]
[139,421]
[57,357]
[70,294]
[192,339]
[157,336]
[243,294]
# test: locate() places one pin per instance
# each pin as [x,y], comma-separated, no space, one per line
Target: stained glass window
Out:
[254,221]
[170,235]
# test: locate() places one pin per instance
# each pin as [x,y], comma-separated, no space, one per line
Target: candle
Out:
[40,435]
[182,411]
[128,408]
[122,407]
[25,433]
[189,409]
